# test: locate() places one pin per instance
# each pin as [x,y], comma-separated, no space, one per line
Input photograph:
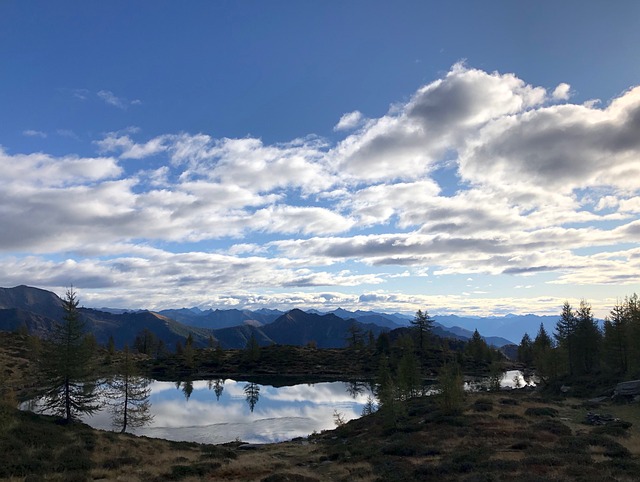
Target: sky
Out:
[477,158]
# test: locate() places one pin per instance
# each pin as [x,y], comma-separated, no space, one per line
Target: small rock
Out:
[600,419]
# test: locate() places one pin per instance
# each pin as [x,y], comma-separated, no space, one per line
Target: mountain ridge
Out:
[233,327]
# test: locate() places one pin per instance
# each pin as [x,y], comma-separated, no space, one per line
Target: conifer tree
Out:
[189,351]
[423,324]
[632,313]
[252,349]
[409,376]
[129,393]
[615,342]
[525,350]
[566,332]
[66,366]
[355,337]
[544,357]
[588,339]
[477,348]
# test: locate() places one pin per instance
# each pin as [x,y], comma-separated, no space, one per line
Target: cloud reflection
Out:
[280,413]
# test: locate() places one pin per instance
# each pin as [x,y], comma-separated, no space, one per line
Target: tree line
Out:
[579,347]
[68,364]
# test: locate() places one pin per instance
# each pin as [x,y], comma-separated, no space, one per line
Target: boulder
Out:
[628,389]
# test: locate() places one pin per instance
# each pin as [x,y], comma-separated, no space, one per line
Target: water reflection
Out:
[252,391]
[187,388]
[509,379]
[355,388]
[217,386]
[248,411]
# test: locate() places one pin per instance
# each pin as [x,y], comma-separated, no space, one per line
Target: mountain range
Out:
[38,310]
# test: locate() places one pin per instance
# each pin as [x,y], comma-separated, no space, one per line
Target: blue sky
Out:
[461,157]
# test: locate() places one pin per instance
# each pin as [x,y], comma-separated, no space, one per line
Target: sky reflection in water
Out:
[278,414]
[219,411]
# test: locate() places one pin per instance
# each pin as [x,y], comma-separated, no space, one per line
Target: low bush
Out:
[610,446]
[521,445]
[553,426]
[119,462]
[541,412]
[483,405]
[287,477]
[510,416]
[544,460]
[179,472]
[611,430]
[72,459]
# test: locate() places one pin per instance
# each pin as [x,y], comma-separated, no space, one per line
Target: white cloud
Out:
[34,133]
[349,121]
[43,170]
[120,102]
[410,139]
[562,92]
[129,149]
[544,190]
[294,219]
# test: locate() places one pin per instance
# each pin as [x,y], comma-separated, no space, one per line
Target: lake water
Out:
[219,411]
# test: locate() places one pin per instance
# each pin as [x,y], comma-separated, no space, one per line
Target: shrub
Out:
[510,416]
[119,462]
[611,447]
[613,430]
[521,445]
[553,426]
[288,478]
[545,460]
[451,396]
[179,472]
[541,412]
[483,405]
[73,458]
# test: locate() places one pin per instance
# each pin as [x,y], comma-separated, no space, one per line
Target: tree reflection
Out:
[355,388]
[187,389]
[217,386]
[252,392]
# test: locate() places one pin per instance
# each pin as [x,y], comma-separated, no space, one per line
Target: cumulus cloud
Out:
[128,149]
[562,92]
[562,148]
[349,121]
[545,190]
[410,139]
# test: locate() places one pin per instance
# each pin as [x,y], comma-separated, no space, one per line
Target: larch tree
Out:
[615,341]
[129,396]
[66,366]
[566,335]
[423,324]
[589,339]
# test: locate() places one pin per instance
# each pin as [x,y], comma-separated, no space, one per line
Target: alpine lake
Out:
[224,410]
